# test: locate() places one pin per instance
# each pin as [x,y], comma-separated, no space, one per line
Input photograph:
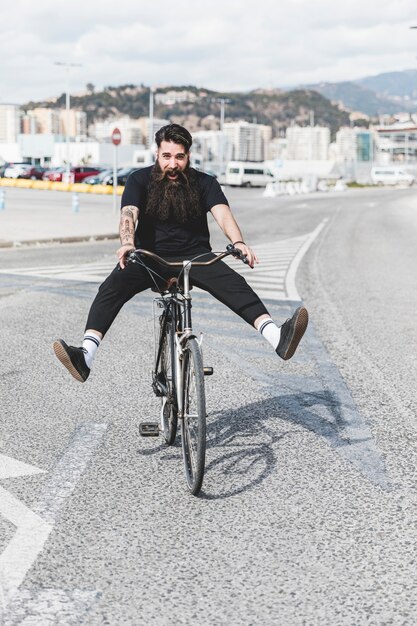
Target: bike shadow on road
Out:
[245,442]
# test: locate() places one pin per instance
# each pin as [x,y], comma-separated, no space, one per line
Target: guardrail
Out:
[25,183]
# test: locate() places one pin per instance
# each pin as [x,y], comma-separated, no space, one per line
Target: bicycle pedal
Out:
[149,429]
[208,371]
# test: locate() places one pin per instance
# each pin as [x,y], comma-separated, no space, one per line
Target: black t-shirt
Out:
[170,238]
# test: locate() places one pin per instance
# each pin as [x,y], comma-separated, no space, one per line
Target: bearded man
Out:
[164,210]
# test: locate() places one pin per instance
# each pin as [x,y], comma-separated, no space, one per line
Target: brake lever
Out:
[237,253]
[130,258]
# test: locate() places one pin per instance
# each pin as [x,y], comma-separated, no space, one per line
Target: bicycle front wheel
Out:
[167,375]
[193,424]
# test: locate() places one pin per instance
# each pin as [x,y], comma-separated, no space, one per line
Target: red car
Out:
[78,173]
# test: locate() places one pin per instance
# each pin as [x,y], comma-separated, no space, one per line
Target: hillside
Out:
[276,108]
[390,92]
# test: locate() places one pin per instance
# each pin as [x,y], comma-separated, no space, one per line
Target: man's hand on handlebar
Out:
[122,252]
[247,255]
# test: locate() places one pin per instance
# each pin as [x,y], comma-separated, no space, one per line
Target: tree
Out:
[90,88]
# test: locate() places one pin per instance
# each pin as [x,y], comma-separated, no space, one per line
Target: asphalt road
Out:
[308,509]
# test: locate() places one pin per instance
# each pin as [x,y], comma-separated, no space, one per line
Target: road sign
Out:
[116,137]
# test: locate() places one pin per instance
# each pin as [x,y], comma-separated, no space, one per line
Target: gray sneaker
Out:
[292,332]
[73,359]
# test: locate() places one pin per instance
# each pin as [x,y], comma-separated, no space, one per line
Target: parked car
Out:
[33,172]
[391,175]
[54,174]
[79,173]
[122,175]
[98,179]
[13,170]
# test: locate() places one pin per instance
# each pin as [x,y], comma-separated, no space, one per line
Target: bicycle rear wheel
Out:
[193,424]
[167,378]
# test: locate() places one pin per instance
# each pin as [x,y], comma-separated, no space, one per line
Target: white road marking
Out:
[273,278]
[32,530]
[33,527]
[21,552]
[12,468]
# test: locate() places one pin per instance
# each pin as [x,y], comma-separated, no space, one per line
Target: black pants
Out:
[219,279]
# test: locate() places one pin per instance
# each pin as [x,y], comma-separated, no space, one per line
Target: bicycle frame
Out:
[177,306]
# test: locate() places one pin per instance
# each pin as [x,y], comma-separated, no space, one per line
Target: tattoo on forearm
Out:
[128,216]
[126,231]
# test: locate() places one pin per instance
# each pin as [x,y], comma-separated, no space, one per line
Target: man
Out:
[164,209]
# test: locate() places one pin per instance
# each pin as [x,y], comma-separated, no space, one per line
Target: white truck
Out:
[391,175]
[247,174]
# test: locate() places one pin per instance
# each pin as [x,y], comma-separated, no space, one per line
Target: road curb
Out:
[52,240]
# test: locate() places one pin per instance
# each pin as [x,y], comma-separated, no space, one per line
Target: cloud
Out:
[225,46]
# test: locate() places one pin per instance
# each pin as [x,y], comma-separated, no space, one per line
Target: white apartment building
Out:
[130,130]
[278,148]
[246,141]
[208,144]
[346,144]
[308,143]
[10,122]
[355,144]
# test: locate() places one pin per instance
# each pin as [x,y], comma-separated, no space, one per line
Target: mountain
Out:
[274,107]
[390,92]
[392,84]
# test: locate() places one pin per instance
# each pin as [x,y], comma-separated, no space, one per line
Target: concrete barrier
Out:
[8,182]
[25,183]
[81,187]
[57,186]
[42,184]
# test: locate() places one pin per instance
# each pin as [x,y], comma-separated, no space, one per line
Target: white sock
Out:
[270,331]
[90,344]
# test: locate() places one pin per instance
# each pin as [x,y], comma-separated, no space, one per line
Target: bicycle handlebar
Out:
[230,250]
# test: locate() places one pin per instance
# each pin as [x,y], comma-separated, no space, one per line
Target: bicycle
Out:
[178,372]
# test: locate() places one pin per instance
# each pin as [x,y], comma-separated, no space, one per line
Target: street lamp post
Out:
[223,102]
[67,112]
[150,129]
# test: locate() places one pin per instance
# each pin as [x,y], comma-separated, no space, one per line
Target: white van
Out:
[391,175]
[247,174]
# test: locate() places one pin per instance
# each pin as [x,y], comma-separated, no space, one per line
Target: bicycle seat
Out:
[169,284]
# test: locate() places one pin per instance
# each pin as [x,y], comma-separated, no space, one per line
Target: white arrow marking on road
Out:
[32,530]
[12,468]
[34,527]
[29,539]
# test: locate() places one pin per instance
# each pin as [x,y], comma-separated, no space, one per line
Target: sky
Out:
[225,45]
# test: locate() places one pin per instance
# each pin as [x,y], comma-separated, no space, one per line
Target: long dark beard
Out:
[177,200]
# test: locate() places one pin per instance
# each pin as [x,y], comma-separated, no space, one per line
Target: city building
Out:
[211,145]
[29,124]
[130,130]
[42,120]
[278,148]
[308,143]
[396,142]
[10,122]
[144,124]
[354,144]
[75,121]
[245,141]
